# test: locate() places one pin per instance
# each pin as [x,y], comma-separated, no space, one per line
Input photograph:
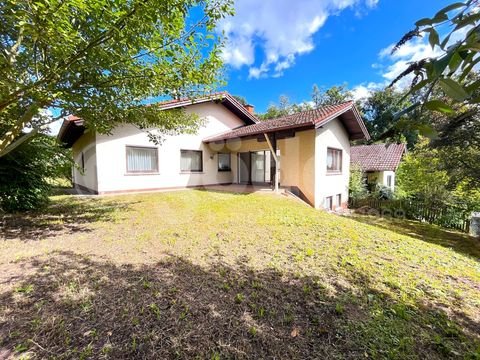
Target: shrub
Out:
[24,174]
[358,184]
[382,192]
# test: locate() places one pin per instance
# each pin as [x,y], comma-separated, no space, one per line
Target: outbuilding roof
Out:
[316,118]
[377,157]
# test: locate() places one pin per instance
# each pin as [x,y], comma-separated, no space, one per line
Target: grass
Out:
[210,275]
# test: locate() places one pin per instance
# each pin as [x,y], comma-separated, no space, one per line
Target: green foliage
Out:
[379,111]
[335,95]
[458,144]
[425,174]
[241,99]
[25,173]
[419,174]
[275,111]
[332,96]
[461,20]
[382,192]
[357,185]
[101,59]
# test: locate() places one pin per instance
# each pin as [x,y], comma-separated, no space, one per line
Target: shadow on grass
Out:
[459,242]
[67,215]
[70,306]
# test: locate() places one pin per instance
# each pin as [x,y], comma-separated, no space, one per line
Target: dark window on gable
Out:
[83,162]
[191,161]
[224,162]
[142,159]
[334,160]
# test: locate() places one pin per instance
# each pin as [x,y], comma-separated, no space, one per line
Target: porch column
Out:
[273,149]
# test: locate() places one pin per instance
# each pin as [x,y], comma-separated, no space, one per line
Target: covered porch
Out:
[290,152]
[281,161]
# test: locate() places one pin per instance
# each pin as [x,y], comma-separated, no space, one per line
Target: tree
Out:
[332,96]
[241,99]
[446,89]
[101,59]
[458,57]
[425,174]
[357,184]
[420,174]
[378,111]
[458,144]
[25,173]
[275,111]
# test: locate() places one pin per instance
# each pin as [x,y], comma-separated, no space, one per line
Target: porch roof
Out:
[346,112]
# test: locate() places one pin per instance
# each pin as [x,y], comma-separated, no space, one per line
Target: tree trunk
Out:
[15,130]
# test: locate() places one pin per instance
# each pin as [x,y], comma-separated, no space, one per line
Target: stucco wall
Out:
[335,136]
[111,154]
[87,179]
[381,178]
[384,177]
[237,146]
[297,162]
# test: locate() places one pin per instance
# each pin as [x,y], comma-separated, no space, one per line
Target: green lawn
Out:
[209,275]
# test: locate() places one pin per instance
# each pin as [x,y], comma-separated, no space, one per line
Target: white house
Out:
[310,150]
[379,162]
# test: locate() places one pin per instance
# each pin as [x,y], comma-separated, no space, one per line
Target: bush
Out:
[25,171]
[358,184]
[382,192]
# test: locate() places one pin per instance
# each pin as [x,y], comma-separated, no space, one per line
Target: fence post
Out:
[475,225]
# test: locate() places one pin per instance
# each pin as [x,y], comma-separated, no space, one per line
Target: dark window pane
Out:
[224,162]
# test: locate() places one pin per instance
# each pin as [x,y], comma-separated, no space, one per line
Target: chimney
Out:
[250,108]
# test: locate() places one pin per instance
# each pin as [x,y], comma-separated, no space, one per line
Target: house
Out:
[308,152]
[379,162]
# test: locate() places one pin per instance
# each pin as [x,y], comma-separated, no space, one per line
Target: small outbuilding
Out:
[379,162]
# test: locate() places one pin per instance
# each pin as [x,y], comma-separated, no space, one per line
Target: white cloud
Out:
[277,29]
[390,65]
[362,91]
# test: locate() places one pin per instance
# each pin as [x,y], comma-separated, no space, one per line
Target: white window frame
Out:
[188,171]
[340,167]
[142,171]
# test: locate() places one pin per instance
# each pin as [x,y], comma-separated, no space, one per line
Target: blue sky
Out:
[283,47]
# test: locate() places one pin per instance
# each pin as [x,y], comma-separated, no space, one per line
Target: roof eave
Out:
[222,97]
[358,118]
[219,138]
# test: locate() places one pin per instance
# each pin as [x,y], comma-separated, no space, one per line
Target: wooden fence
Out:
[448,216]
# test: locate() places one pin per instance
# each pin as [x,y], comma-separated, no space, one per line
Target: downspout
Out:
[277,162]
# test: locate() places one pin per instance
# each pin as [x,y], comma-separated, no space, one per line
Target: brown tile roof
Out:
[73,126]
[377,157]
[310,118]
[223,97]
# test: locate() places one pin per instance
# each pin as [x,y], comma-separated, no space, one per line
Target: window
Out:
[83,162]
[224,162]
[191,161]
[338,201]
[389,181]
[142,159]
[328,203]
[334,160]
